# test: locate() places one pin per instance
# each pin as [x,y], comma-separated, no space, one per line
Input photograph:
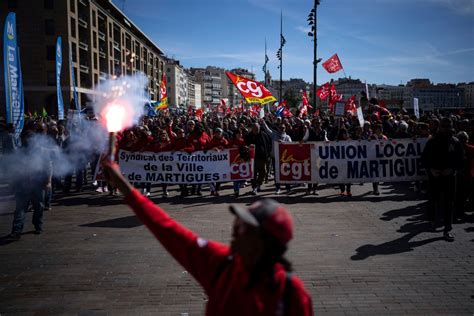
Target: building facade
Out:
[177,84]
[214,84]
[468,90]
[104,43]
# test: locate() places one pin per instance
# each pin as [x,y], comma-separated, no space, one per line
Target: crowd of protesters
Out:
[216,130]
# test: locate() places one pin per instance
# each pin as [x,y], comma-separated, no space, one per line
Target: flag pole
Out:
[281,53]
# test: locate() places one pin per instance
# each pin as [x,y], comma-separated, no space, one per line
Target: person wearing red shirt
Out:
[163,144]
[249,277]
[238,141]
[199,139]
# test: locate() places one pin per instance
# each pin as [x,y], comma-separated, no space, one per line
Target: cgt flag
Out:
[163,105]
[351,105]
[12,76]
[324,91]
[333,64]
[252,91]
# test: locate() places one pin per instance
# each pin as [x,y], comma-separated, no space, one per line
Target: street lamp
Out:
[313,34]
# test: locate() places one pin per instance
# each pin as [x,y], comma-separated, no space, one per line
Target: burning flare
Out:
[115,116]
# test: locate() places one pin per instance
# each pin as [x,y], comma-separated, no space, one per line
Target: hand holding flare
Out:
[114,115]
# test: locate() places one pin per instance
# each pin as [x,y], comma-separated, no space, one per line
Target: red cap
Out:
[269,215]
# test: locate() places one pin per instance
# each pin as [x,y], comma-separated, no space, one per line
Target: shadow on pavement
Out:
[399,245]
[121,222]
[410,211]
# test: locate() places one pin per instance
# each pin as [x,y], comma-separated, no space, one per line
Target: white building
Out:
[177,84]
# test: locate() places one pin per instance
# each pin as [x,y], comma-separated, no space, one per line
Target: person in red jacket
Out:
[249,277]
[162,144]
[199,139]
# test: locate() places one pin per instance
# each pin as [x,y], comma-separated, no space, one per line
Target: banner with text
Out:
[181,168]
[350,161]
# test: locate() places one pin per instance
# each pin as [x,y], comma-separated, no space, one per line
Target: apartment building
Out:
[103,41]
[176,83]
[214,84]
[194,92]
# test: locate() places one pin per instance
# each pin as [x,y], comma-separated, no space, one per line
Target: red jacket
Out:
[223,280]
[199,142]
[217,143]
[182,144]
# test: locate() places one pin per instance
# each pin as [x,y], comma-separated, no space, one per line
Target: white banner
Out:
[182,168]
[350,161]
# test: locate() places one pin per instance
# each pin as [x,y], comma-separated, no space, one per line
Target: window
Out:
[49,4]
[51,78]
[73,27]
[94,39]
[72,5]
[49,26]
[94,18]
[168,70]
[73,53]
[50,52]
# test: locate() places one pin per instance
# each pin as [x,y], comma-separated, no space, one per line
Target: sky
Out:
[378,41]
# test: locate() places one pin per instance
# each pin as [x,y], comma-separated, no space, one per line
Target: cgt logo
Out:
[295,165]
[10,31]
[249,87]
[240,169]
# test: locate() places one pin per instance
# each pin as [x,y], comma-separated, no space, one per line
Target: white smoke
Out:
[84,142]
[128,92]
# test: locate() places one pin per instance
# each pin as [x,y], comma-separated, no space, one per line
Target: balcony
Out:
[83,2]
[116,46]
[103,76]
[101,36]
[84,69]
[83,45]
[82,22]
[116,61]
[102,54]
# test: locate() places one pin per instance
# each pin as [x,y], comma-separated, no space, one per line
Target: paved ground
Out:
[368,255]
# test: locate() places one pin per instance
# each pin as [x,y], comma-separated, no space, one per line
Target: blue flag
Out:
[13,80]
[59,61]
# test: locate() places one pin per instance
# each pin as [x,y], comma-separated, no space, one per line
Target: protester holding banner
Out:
[377,135]
[249,277]
[443,157]
[262,143]
[199,139]
[217,143]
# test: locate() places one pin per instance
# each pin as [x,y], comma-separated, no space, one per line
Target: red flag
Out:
[190,110]
[253,91]
[324,91]
[199,114]
[304,99]
[287,113]
[303,110]
[333,97]
[382,104]
[254,110]
[333,64]
[351,105]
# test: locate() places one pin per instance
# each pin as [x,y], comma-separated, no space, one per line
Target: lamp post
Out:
[280,56]
[313,34]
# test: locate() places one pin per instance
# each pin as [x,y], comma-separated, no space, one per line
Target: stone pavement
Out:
[366,255]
